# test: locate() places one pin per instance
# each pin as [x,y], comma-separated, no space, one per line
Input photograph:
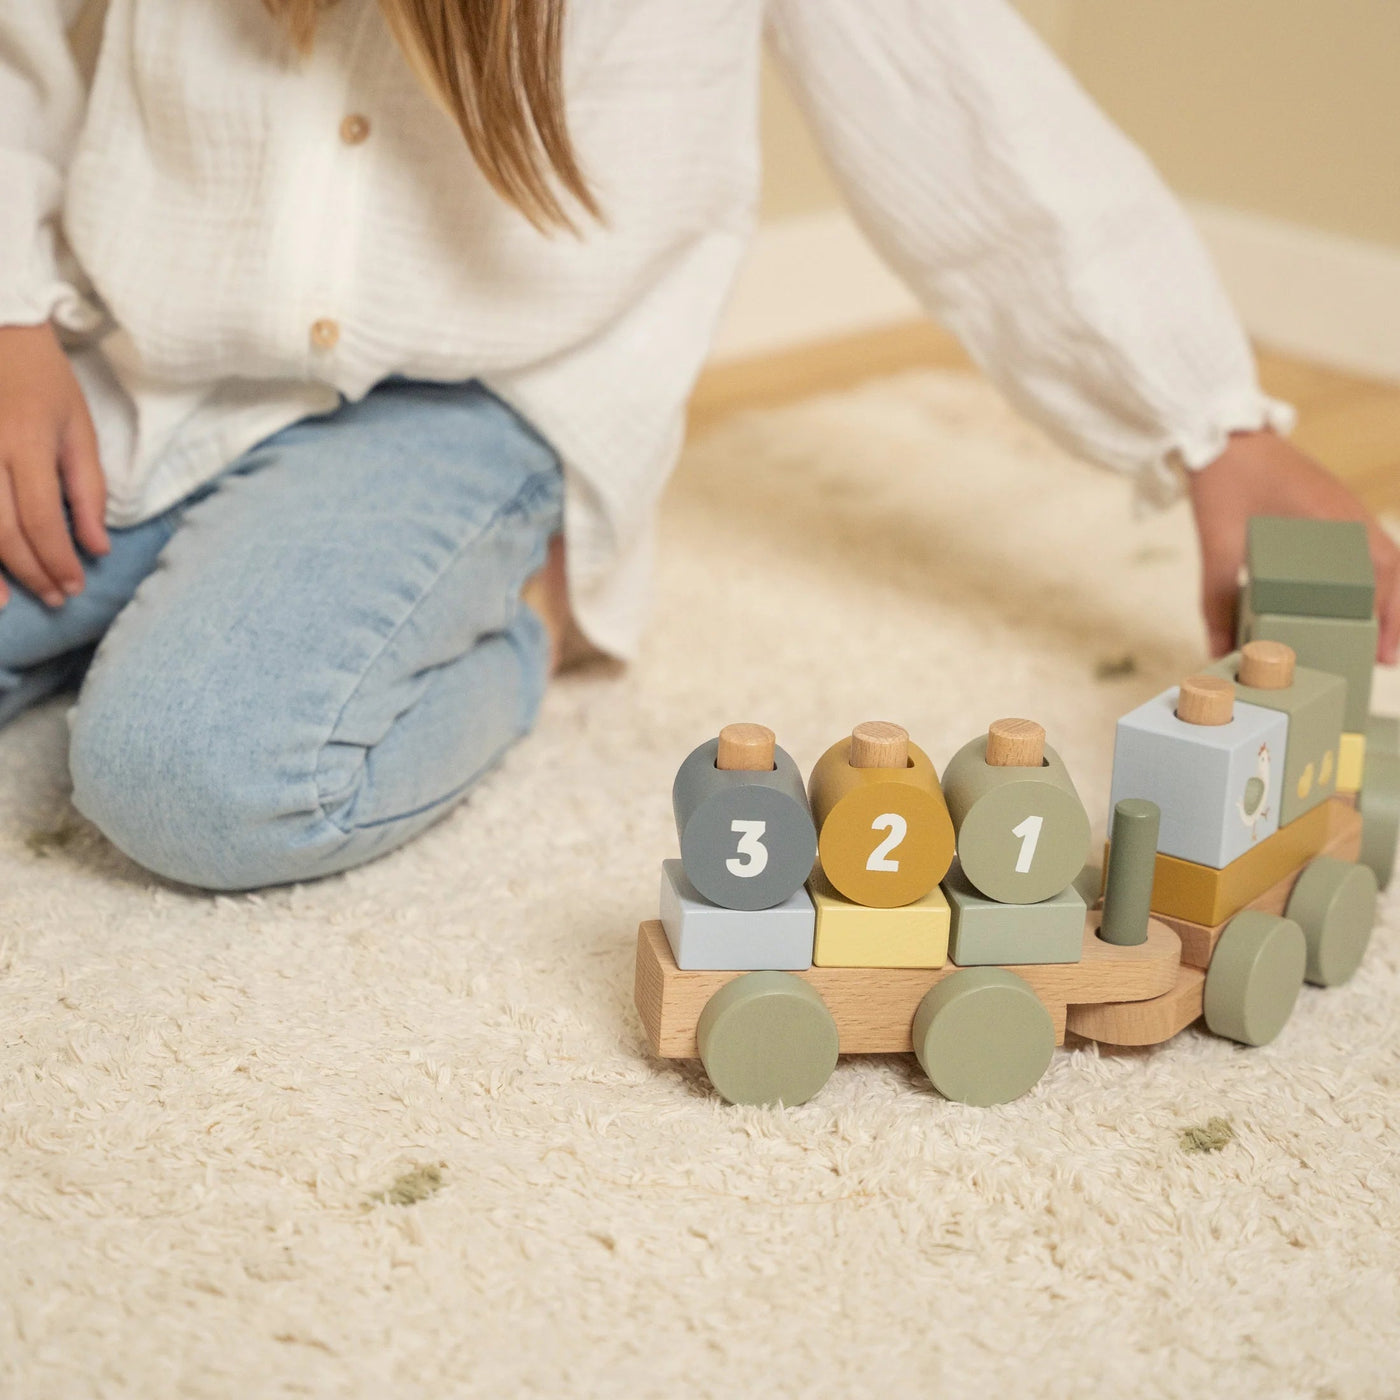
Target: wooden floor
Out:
[1349,423]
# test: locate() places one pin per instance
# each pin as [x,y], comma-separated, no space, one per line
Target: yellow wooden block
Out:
[1351,762]
[856,935]
[1208,896]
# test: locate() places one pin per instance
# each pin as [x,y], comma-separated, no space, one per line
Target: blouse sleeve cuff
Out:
[38,279]
[1197,446]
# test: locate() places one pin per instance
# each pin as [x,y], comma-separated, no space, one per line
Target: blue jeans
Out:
[313,658]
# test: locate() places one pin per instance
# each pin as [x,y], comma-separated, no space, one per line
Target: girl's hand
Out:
[48,453]
[1262,474]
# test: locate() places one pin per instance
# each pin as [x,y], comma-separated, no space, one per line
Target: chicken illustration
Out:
[1253,806]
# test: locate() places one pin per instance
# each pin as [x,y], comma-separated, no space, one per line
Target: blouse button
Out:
[354,129]
[325,333]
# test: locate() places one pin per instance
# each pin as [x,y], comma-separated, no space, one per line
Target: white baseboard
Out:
[807,278]
[1314,294]
[1317,295]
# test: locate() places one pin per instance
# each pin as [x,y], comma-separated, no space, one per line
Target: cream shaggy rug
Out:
[397,1134]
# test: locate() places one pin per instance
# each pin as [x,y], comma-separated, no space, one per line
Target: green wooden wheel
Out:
[767,1038]
[1255,976]
[1379,805]
[983,1037]
[1334,903]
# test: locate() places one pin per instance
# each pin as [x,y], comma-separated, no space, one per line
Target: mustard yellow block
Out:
[855,935]
[1204,895]
[1351,762]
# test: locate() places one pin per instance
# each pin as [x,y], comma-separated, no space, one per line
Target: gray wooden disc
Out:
[1334,903]
[1255,977]
[767,1038]
[983,1036]
[742,867]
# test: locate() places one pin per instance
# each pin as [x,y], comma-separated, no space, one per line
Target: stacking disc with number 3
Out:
[746,833]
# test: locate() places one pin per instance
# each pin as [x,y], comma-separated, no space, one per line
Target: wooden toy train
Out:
[1255,812]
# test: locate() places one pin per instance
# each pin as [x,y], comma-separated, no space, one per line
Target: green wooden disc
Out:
[1255,976]
[1379,804]
[1334,903]
[983,1037]
[767,1038]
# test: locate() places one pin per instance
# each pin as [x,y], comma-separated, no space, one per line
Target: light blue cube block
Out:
[702,935]
[1218,785]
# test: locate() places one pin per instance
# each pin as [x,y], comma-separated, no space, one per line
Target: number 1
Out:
[1029,832]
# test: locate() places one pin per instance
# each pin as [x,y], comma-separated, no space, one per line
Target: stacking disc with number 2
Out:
[885,837]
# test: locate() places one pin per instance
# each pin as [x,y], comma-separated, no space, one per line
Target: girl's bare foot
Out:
[547,592]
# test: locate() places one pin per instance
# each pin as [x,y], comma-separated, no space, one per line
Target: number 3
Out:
[751,847]
[1029,832]
[898,829]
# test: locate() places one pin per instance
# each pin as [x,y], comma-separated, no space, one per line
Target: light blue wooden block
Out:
[702,935]
[1218,785]
[984,933]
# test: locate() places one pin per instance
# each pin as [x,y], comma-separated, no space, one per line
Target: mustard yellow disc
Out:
[885,837]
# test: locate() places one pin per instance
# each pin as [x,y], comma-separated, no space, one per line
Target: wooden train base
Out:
[984,1034]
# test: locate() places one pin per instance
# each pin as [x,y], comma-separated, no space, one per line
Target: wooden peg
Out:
[1267,665]
[1206,700]
[1015,743]
[745,748]
[879,744]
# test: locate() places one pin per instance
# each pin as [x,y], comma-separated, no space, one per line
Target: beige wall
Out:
[1289,108]
[795,179]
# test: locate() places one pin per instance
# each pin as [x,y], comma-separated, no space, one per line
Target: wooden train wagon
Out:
[985,1035]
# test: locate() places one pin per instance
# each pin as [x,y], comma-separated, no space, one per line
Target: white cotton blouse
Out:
[234,236]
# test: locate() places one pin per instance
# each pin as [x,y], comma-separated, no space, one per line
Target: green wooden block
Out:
[1345,646]
[1315,705]
[1310,568]
[983,1036]
[1089,882]
[984,933]
[1383,734]
[1379,805]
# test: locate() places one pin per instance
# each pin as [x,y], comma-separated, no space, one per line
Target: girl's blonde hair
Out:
[495,65]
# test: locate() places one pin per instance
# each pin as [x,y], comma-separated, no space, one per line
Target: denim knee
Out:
[185,794]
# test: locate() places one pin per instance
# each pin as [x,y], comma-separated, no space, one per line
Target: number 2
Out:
[751,848]
[1029,832]
[898,829]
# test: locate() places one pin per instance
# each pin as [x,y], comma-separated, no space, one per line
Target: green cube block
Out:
[1383,734]
[1345,646]
[1315,705]
[985,933]
[1311,568]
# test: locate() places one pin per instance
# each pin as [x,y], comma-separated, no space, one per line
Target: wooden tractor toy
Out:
[1255,810]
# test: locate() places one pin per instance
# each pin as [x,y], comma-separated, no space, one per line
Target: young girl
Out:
[321,323]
